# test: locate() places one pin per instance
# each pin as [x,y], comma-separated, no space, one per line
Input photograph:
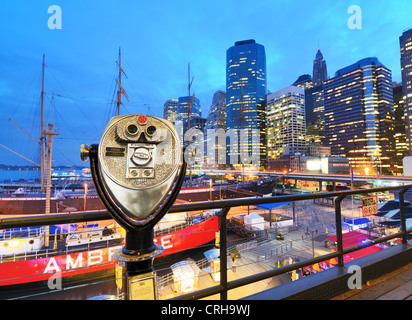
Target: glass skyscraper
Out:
[182,111]
[359,116]
[182,123]
[169,110]
[405,41]
[245,102]
[215,128]
[400,128]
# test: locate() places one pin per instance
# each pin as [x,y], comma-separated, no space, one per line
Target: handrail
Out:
[87,216]
[226,205]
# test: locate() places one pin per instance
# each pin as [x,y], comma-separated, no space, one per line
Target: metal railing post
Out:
[338,217]
[402,213]
[223,252]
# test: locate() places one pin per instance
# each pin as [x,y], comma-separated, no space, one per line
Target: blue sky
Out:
[158,40]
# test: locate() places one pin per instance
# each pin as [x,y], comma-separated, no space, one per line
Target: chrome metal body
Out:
[139,159]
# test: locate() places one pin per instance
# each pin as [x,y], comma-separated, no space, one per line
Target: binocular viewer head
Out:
[140,128]
[138,160]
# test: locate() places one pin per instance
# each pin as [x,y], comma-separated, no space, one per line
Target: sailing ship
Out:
[84,197]
[74,253]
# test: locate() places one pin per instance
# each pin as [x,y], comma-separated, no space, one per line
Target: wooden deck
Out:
[396,285]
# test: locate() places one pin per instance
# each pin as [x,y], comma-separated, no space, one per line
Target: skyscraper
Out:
[405,41]
[170,110]
[217,114]
[182,111]
[320,72]
[314,110]
[182,123]
[359,117]
[285,117]
[245,101]
[215,128]
[400,128]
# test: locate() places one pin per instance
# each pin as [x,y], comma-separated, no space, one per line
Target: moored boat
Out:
[84,254]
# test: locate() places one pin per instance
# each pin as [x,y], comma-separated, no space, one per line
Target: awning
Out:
[390,214]
[397,222]
[269,206]
[212,254]
[390,223]
[395,214]
[387,206]
[354,238]
[362,252]
[358,221]
[350,239]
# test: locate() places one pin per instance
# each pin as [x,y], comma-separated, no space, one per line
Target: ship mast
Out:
[119,83]
[42,140]
[189,111]
[50,135]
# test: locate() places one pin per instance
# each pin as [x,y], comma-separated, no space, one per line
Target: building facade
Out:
[182,111]
[359,118]
[320,72]
[405,42]
[314,109]
[170,110]
[401,145]
[245,104]
[286,127]
[215,132]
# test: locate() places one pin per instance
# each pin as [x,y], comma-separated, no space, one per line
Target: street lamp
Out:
[85,196]
[308,233]
[210,185]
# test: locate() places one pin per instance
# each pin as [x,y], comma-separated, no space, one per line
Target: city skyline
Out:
[81,68]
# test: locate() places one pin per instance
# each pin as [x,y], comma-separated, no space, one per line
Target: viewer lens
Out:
[151,130]
[132,129]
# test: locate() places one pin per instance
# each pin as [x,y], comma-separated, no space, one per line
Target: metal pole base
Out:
[140,278]
[119,255]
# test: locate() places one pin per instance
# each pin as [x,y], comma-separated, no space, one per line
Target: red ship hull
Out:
[88,262]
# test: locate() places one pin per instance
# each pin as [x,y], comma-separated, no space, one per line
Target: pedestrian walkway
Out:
[316,223]
[245,266]
[269,255]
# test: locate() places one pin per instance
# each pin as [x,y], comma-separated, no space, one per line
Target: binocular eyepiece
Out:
[138,161]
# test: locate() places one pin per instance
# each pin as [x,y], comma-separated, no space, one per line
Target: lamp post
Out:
[85,196]
[308,233]
[210,187]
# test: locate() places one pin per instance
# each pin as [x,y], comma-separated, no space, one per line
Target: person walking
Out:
[233,265]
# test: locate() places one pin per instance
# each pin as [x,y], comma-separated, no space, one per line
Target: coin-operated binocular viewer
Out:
[135,169]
